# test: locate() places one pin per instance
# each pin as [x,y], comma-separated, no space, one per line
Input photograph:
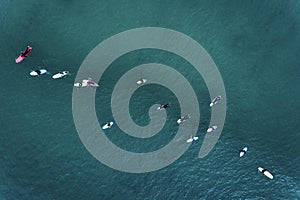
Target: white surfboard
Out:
[192,139]
[265,172]
[141,81]
[211,129]
[60,74]
[243,152]
[106,126]
[77,84]
[160,108]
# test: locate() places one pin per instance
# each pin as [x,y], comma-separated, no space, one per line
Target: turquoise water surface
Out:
[255,45]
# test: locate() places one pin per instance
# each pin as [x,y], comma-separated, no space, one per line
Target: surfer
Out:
[163,106]
[184,118]
[243,152]
[60,74]
[26,52]
[86,83]
[107,125]
[265,172]
[141,81]
[215,101]
[38,72]
[92,83]
[192,139]
[211,129]
[166,106]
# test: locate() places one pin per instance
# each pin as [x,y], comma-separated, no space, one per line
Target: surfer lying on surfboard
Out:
[243,152]
[24,54]
[192,139]
[182,119]
[163,106]
[108,125]
[38,72]
[86,83]
[265,172]
[215,101]
[141,81]
[211,129]
[60,74]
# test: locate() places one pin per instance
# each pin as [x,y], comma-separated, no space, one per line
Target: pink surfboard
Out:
[24,54]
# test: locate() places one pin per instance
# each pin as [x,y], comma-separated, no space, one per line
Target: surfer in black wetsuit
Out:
[165,106]
[38,72]
[26,52]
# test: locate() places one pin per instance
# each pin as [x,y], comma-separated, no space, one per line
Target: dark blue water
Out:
[255,45]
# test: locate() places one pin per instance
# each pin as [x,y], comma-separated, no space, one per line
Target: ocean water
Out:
[255,45]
